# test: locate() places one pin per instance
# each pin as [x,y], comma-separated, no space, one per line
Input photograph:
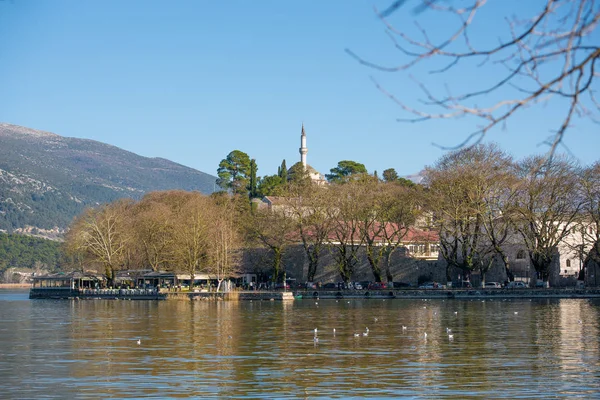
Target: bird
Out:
[579,321]
[403,328]
[334,331]
[455,312]
[356,334]
[139,342]
[450,337]
[516,312]
[316,339]
[448,330]
[425,335]
[376,319]
[316,331]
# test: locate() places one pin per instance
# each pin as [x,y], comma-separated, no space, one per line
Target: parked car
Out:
[311,285]
[427,285]
[377,286]
[356,285]
[401,285]
[364,284]
[492,285]
[516,285]
[330,286]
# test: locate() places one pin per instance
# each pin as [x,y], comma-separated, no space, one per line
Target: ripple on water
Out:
[88,349]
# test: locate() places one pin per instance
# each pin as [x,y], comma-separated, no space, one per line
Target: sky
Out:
[192,80]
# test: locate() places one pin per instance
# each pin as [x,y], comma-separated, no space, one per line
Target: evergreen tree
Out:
[234,172]
[253,181]
[283,172]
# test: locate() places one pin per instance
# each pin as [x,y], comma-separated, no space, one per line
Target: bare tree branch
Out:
[551,54]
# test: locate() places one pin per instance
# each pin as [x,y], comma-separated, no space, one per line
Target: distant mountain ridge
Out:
[46,179]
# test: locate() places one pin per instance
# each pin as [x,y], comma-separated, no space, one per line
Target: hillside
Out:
[47,179]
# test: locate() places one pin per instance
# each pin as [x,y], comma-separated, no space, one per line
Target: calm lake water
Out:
[501,349]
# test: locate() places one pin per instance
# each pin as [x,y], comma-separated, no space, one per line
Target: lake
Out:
[89,349]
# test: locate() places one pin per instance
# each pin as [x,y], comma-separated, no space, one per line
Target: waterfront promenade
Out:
[153,294]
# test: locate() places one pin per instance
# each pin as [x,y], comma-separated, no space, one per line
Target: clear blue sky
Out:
[192,80]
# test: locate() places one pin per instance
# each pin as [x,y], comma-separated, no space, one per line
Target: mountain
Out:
[47,179]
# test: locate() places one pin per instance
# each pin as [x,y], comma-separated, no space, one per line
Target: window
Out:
[568,264]
[521,255]
[565,271]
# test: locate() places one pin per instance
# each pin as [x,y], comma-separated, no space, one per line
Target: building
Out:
[314,175]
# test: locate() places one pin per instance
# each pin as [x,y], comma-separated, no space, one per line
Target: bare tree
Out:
[101,235]
[345,239]
[308,204]
[551,55]
[153,232]
[465,195]
[190,244]
[224,243]
[274,230]
[587,248]
[547,207]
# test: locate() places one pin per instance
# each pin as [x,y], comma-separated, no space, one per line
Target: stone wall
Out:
[295,261]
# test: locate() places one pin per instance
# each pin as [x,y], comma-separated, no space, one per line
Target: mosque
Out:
[314,175]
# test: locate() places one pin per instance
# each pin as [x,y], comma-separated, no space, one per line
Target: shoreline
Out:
[459,294]
[15,285]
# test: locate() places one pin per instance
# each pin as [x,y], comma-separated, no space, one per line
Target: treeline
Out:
[190,233]
[18,251]
[185,232]
[475,203]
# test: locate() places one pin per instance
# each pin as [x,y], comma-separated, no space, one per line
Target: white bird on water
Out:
[316,331]
[356,334]
[448,330]
[516,312]
[334,331]
[403,328]
[451,337]
[425,335]
[139,342]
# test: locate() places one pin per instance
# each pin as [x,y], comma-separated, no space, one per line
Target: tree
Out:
[190,246]
[588,248]
[274,230]
[298,173]
[224,242]
[397,208]
[283,172]
[546,207]
[462,194]
[390,175]
[345,239]
[101,234]
[153,231]
[548,56]
[308,205]
[234,172]
[253,179]
[345,170]
[269,185]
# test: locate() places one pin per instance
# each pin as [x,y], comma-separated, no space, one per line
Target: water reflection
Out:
[501,349]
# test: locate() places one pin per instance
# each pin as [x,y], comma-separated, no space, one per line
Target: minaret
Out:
[303,149]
